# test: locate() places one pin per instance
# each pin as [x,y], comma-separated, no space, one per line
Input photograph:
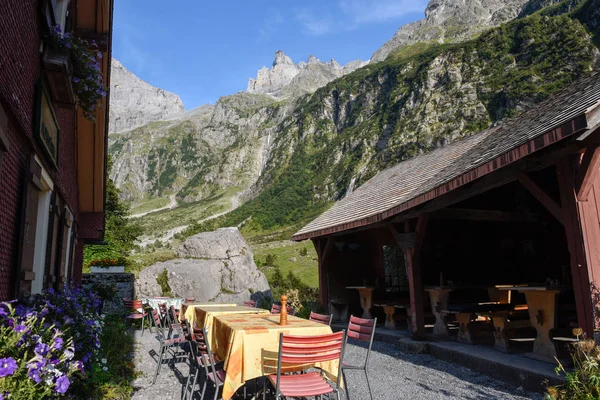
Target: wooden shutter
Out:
[29,213]
[67,222]
[52,251]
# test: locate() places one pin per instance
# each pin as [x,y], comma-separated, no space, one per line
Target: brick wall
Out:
[20,70]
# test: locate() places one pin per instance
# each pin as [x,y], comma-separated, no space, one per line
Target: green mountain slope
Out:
[411,103]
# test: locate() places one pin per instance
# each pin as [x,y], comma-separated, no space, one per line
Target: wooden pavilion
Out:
[517,204]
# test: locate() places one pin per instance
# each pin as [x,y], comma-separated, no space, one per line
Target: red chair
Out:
[136,310]
[276,309]
[296,352]
[190,299]
[324,319]
[250,303]
[363,330]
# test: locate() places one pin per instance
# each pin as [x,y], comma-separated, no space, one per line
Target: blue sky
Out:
[203,49]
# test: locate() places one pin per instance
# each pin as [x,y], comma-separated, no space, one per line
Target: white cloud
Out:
[370,11]
[271,24]
[313,23]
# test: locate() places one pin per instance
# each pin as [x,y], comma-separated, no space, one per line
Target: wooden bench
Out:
[512,329]
[471,329]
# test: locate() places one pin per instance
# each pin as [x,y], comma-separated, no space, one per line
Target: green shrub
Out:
[583,382]
[163,280]
[303,252]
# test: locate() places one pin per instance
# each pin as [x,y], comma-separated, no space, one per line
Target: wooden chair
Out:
[203,358]
[165,343]
[136,311]
[363,330]
[324,319]
[276,309]
[250,303]
[295,352]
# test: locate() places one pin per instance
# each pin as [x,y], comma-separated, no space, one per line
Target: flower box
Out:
[59,73]
[105,270]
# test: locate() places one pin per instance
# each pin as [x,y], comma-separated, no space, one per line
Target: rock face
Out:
[134,102]
[213,267]
[286,79]
[451,21]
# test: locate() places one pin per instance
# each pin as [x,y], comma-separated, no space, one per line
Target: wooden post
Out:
[322,246]
[575,242]
[412,256]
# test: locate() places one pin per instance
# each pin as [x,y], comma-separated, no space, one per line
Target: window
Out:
[61,13]
[41,232]
[395,269]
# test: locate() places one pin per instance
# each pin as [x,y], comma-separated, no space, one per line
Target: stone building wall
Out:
[123,283]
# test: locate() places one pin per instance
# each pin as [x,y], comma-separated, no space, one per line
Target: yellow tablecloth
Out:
[204,316]
[188,309]
[249,344]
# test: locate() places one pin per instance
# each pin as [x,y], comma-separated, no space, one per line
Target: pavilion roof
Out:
[422,178]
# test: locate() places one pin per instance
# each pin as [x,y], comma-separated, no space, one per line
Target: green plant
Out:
[303,252]
[105,291]
[108,262]
[163,280]
[270,259]
[583,382]
[87,75]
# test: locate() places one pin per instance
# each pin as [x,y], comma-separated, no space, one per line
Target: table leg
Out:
[464,336]
[366,300]
[542,308]
[499,341]
[439,303]
[389,316]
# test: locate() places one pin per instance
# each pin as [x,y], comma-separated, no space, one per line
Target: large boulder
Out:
[213,267]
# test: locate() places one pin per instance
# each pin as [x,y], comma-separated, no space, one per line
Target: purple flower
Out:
[42,349]
[20,328]
[58,343]
[62,384]
[3,310]
[34,375]
[68,320]
[57,29]
[99,54]
[75,80]
[8,366]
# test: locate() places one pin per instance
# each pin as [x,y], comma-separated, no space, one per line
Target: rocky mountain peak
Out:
[452,21]
[282,59]
[287,79]
[134,102]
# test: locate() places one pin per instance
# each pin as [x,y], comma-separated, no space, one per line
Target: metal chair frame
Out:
[324,319]
[363,330]
[202,356]
[301,351]
[166,343]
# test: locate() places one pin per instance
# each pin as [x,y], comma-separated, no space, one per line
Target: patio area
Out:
[393,375]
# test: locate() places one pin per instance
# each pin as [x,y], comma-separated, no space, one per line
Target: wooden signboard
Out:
[46,129]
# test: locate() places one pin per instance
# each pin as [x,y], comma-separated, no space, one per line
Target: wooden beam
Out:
[548,202]
[589,169]
[323,246]
[575,242]
[412,256]
[485,215]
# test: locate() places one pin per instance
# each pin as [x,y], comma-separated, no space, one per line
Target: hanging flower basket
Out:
[107,265]
[65,50]
[108,270]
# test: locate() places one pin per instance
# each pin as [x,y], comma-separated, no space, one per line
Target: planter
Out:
[107,270]
[59,72]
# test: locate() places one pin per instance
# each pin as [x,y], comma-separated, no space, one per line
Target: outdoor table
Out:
[188,309]
[248,344]
[389,308]
[464,313]
[438,296]
[204,316]
[541,303]
[366,299]
[172,301]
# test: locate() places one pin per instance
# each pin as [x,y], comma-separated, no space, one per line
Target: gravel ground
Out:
[393,375]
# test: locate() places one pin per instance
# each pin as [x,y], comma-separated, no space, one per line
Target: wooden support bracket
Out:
[548,202]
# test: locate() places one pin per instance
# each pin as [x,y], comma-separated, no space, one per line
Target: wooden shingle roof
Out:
[427,176]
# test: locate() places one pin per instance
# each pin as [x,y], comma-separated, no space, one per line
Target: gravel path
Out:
[393,375]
